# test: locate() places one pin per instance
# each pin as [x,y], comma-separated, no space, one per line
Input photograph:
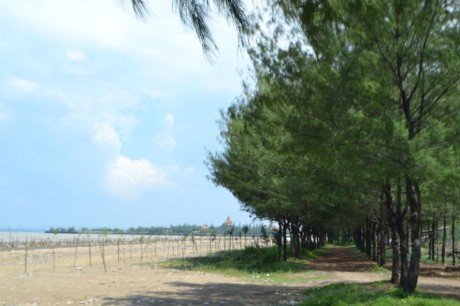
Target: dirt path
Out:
[347,266]
[128,283]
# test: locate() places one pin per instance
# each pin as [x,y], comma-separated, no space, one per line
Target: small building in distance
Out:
[229,221]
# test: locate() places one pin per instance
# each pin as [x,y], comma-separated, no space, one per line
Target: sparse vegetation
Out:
[102,241]
[253,266]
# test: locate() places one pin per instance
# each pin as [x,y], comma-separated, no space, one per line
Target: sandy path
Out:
[128,283]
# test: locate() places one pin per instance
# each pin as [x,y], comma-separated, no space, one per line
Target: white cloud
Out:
[128,177]
[23,85]
[76,56]
[169,120]
[97,22]
[108,106]
[107,27]
[105,134]
[165,140]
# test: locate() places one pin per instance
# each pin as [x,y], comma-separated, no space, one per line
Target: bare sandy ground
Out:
[127,282]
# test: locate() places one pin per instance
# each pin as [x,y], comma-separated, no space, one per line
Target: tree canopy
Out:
[351,122]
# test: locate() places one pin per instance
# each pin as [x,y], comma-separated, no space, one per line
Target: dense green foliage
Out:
[351,127]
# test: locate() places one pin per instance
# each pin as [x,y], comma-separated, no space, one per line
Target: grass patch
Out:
[250,260]
[308,254]
[255,264]
[378,293]
[321,251]
[261,265]
[312,254]
[378,269]
[357,252]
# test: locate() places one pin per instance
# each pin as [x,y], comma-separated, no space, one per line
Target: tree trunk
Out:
[368,239]
[321,236]
[279,240]
[284,227]
[395,256]
[402,233]
[295,237]
[374,241]
[315,237]
[434,226]
[403,252]
[430,240]
[444,238]
[359,238]
[436,241]
[303,237]
[413,198]
[454,240]
[382,237]
[382,245]
[393,218]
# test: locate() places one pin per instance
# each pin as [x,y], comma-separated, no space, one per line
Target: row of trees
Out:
[254,230]
[62,230]
[352,124]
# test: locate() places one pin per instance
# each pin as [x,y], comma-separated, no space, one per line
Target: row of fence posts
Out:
[158,247]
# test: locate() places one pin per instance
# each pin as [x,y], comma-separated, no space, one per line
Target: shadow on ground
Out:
[439,270]
[444,290]
[341,259]
[335,259]
[184,293]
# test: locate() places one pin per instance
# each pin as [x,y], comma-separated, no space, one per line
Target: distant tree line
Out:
[62,230]
[256,230]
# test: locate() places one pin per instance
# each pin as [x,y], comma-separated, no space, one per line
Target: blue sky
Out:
[105,120]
